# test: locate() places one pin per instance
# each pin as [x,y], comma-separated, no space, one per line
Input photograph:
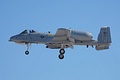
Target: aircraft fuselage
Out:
[64,38]
[43,38]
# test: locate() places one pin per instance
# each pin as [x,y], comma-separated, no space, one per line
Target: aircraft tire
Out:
[26,52]
[62,51]
[61,56]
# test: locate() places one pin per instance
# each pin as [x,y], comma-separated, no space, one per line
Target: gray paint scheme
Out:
[64,38]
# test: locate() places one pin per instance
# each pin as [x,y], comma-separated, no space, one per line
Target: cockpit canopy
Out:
[27,31]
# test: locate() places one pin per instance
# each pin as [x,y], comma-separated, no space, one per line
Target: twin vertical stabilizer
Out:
[104,38]
[104,35]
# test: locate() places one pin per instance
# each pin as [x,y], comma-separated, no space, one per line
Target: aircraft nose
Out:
[12,38]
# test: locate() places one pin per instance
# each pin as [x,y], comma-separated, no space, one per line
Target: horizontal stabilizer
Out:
[102,47]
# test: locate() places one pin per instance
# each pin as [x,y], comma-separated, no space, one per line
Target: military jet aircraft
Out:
[64,38]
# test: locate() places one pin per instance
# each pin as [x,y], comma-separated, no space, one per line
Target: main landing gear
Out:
[61,55]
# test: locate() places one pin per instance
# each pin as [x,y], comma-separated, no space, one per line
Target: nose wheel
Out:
[61,55]
[27,52]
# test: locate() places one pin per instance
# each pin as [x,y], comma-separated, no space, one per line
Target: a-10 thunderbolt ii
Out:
[64,38]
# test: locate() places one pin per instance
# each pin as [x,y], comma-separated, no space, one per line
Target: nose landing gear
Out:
[27,52]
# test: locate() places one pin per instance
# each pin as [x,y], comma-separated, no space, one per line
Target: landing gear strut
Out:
[27,52]
[61,55]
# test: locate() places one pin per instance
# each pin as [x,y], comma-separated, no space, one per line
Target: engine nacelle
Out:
[83,36]
[64,34]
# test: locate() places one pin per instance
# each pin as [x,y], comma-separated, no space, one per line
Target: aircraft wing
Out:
[62,34]
[61,39]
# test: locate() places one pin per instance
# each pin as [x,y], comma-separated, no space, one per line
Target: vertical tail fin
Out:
[104,38]
[104,35]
